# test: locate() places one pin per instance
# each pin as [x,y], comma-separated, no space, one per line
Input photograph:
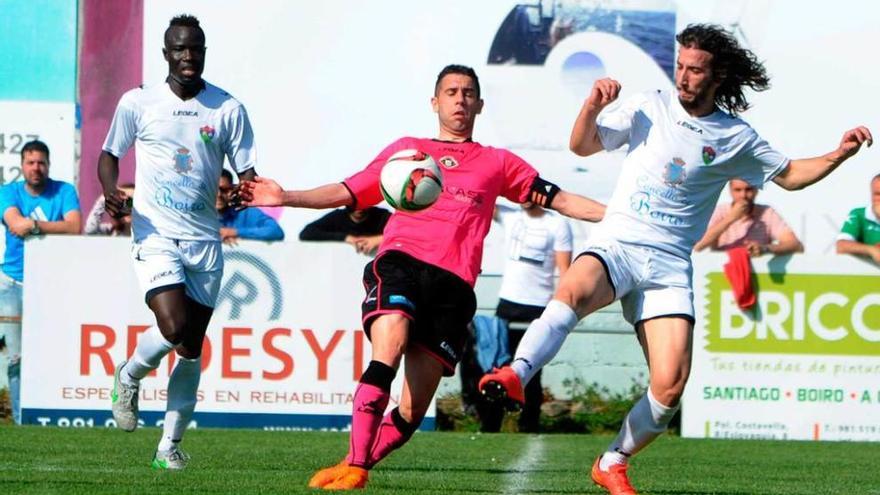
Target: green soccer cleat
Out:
[124,402]
[170,459]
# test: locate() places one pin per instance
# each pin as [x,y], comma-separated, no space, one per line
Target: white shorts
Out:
[161,263]
[649,282]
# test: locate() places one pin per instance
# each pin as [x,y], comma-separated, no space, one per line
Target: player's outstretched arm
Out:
[577,206]
[584,140]
[807,171]
[266,192]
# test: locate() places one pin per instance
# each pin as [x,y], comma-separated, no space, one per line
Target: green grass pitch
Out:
[87,461]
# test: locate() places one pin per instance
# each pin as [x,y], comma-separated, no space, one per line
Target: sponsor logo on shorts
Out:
[398,299]
[182,161]
[251,288]
[449,350]
[371,296]
[448,162]
[166,273]
[206,133]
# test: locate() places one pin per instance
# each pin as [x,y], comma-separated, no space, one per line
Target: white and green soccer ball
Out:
[410,180]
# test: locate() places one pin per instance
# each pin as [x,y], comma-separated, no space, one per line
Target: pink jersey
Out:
[763,226]
[449,234]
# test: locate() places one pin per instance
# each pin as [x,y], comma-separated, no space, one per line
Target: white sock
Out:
[148,353]
[645,422]
[183,386]
[543,339]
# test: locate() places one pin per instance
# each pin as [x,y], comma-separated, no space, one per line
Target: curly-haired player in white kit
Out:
[682,147]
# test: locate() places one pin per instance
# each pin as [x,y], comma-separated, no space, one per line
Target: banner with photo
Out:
[537,61]
[802,364]
[284,349]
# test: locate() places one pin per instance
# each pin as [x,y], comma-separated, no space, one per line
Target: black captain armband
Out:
[543,192]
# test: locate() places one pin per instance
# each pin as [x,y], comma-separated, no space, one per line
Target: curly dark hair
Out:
[733,65]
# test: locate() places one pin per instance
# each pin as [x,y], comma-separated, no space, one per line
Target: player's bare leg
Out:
[183,386]
[582,290]
[389,335]
[422,376]
[169,308]
[667,344]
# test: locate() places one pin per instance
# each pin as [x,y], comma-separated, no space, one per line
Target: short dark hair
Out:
[876,177]
[35,145]
[734,66]
[227,175]
[458,69]
[183,20]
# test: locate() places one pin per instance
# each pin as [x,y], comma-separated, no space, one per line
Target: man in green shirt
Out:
[860,234]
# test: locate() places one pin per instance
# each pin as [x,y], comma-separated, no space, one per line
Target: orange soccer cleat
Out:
[503,385]
[614,480]
[328,475]
[354,478]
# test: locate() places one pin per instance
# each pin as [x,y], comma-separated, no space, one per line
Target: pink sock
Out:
[370,402]
[388,438]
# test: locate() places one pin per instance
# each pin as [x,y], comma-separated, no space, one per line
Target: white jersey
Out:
[675,168]
[531,244]
[180,150]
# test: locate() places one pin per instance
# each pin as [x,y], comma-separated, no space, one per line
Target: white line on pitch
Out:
[517,480]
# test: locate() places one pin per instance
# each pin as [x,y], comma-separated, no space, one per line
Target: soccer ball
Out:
[410,180]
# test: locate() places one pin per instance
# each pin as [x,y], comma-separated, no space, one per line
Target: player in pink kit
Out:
[419,287]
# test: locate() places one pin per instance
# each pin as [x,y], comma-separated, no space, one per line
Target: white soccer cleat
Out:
[125,402]
[170,459]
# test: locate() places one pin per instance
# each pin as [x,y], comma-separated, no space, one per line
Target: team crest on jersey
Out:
[675,172]
[708,154]
[182,161]
[448,162]
[206,133]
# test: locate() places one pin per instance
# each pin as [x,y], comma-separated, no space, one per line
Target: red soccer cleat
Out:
[614,480]
[354,478]
[503,385]
[328,475]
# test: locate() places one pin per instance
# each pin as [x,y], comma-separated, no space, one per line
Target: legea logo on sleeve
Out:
[807,314]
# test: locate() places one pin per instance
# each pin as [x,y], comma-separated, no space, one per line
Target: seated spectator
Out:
[360,228]
[860,234]
[249,223]
[95,224]
[745,223]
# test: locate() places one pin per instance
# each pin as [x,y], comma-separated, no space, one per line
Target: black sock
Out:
[379,374]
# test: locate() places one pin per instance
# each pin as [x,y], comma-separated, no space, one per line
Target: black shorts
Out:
[516,312]
[438,303]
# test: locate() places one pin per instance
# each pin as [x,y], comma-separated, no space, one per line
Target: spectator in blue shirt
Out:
[250,223]
[35,206]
